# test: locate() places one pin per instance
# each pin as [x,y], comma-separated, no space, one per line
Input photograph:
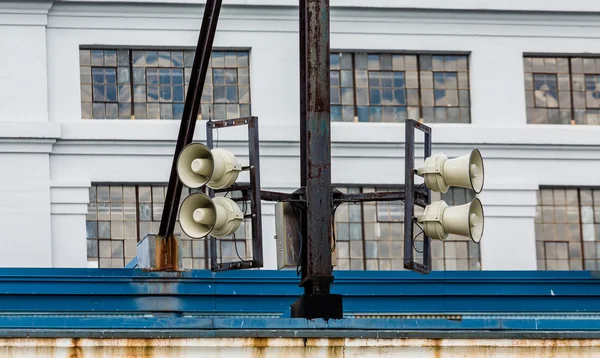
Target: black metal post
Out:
[212,241]
[255,202]
[315,149]
[190,113]
[411,197]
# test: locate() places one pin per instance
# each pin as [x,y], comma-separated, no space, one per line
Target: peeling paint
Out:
[298,347]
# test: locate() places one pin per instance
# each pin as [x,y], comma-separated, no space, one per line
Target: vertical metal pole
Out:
[409,198]
[427,239]
[211,240]
[255,202]
[303,161]
[190,113]
[409,192]
[315,149]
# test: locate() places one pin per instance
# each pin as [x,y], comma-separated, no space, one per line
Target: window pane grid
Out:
[393,87]
[120,215]
[371,236]
[562,90]
[152,84]
[567,228]
[104,82]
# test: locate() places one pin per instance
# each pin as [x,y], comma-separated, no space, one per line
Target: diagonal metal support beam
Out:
[188,123]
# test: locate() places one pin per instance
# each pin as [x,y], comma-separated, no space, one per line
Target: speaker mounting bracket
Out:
[415,195]
[250,193]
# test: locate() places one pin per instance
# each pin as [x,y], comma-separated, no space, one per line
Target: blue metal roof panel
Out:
[131,299]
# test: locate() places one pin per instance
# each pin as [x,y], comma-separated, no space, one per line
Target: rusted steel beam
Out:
[420,197]
[188,120]
[297,196]
[315,165]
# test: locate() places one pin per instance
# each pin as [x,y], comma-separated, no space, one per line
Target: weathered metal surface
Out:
[153,251]
[420,196]
[190,325]
[410,192]
[287,236]
[188,123]
[255,202]
[298,347]
[315,164]
[375,292]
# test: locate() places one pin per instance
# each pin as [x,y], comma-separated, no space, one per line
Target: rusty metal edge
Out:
[384,334]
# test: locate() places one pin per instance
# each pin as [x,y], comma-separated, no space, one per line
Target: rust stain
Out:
[166,254]
[298,347]
[436,347]
[75,350]
[260,345]
[336,347]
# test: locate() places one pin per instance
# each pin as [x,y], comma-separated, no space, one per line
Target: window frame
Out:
[127,109]
[578,249]
[419,90]
[154,219]
[578,114]
[365,222]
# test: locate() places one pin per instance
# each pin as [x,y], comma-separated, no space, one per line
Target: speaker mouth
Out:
[476,228]
[476,180]
[187,156]
[190,227]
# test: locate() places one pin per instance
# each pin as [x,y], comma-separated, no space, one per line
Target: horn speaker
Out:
[197,166]
[439,220]
[440,173]
[200,216]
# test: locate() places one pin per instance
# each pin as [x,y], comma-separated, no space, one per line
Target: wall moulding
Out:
[69,197]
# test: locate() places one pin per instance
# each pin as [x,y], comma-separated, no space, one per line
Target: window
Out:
[382,87]
[152,84]
[121,215]
[562,90]
[370,236]
[567,229]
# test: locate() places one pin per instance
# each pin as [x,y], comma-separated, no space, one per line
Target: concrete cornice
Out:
[282,16]
[349,140]
[28,137]
[69,197]
[25,12]
[477,5]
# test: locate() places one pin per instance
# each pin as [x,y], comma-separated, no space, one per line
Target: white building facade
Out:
[89,90]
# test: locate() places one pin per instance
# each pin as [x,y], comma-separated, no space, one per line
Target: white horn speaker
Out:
[200,216]
[439,220]
[440,173]
[198,166]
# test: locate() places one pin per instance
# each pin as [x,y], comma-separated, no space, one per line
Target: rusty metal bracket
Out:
[420,196]
[298,197]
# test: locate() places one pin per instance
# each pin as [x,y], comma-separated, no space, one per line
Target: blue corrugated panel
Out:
[132,290]
[45,300]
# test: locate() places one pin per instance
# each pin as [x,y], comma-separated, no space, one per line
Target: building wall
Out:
[57,155]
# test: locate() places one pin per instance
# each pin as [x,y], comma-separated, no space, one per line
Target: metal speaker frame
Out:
[250,193]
